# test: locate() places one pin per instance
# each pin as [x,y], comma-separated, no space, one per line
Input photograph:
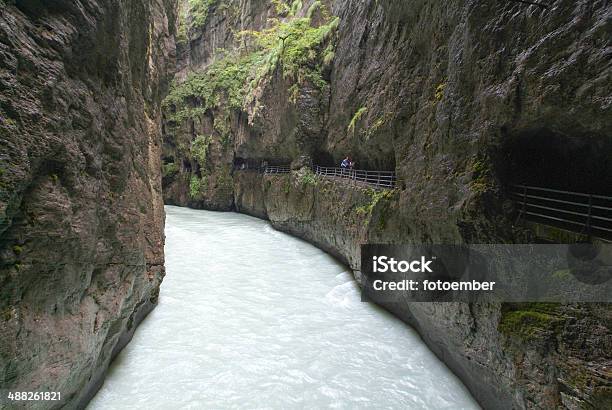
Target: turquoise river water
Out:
[253,318]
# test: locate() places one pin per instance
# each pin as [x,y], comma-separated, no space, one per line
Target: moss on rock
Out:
[529,321]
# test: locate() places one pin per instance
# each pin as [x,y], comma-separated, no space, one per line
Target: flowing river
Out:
[249,317]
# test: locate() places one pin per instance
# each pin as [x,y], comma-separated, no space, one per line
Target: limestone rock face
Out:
[461,99]
[81,210]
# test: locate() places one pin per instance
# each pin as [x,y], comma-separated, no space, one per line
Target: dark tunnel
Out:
[548,160]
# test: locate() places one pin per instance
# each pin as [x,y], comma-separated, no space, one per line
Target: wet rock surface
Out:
[81,210]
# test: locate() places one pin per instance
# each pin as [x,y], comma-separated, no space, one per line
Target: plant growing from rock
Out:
[198,10]
[375,197]
[169,169]
[439,93]
[199,149]
[308,178]
[222,126]
[356,117]
[195,187]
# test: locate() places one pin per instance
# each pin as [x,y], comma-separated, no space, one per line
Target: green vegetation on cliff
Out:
[195,185]
[481,177]
[529,321]
[309,178]
[223,83]
[169,169]
[294,45]
[375,197]
[199,149]
[356,117]
[198,9]
[193,15]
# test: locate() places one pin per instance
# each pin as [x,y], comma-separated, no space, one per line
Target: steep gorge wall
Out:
[461,99]
[81,210]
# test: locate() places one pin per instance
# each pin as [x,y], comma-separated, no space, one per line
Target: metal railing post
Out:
[588,221]
[524,201]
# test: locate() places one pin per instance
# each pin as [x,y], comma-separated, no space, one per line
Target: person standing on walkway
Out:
[346,162]
[351,167]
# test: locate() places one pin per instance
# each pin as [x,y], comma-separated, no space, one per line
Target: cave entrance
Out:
[186,165]
[561,181]
[258,164]
[247,163]
[559,162]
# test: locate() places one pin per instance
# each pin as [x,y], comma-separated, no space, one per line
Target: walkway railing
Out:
[381,179]
[384,179]
[587,214]
[282,169]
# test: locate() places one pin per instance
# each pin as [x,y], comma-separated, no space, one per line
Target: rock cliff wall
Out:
[461,99]
[81,211]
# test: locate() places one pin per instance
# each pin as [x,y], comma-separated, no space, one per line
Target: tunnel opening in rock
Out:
[545,159]
[247,163]
[186,165]
[560,183]
[324,159]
